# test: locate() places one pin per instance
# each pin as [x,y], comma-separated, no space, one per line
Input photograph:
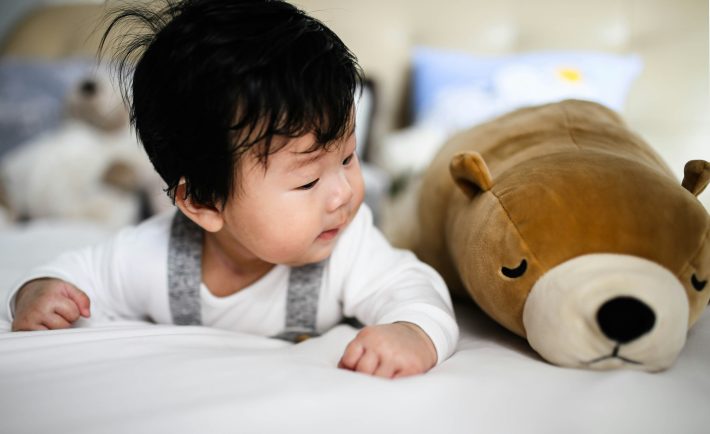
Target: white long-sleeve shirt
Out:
[365,277]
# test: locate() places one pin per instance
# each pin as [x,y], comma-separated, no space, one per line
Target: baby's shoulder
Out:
[150,236]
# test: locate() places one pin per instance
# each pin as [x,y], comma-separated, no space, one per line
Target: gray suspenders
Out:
[185,278]
[302,302]
[185,270]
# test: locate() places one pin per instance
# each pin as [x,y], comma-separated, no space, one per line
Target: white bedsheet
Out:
[142,378]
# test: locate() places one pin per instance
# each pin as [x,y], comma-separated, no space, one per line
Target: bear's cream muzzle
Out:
[605,311]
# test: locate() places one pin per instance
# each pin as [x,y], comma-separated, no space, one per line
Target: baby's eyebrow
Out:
[313,156]
[300,162]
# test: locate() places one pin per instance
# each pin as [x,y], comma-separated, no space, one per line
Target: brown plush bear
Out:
[568,229]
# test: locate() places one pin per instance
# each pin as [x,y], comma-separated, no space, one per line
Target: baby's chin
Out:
[319,252]
[314,258]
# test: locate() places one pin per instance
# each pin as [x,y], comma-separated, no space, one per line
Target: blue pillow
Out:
[454,90]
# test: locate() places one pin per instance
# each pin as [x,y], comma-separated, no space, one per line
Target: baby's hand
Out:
[45,304]
[390,351]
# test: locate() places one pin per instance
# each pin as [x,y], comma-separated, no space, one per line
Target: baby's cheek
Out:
[289,241]
[358,187]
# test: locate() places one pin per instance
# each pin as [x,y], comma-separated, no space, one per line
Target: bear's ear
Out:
[470,173]
[696,176]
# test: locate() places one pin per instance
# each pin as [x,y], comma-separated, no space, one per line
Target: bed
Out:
[137,377]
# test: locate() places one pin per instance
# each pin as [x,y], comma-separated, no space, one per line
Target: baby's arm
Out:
[390,350]
[44,304]
[124,277]
[404,303]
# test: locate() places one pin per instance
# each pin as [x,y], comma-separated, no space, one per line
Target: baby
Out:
[246,110]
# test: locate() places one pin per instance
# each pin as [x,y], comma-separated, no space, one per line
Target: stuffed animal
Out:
[569,230]
[90,168]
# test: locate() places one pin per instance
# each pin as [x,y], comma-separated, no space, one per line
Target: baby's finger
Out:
[368,363]
[67,309]
[80,298]
[400,373]
[385,370]
[55,321]
[352,354]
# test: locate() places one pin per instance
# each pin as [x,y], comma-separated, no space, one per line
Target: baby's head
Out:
[243,106]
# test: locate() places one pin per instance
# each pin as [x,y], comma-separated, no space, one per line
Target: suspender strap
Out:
[304,285]
[185,270]
[185,278]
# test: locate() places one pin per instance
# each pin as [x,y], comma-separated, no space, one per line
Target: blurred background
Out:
[434,67]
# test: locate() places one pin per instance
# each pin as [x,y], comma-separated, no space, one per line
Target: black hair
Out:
[208,80]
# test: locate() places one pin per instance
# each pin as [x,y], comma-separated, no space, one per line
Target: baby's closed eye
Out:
[309,185]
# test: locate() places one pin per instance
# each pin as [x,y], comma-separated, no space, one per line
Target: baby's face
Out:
[294,211]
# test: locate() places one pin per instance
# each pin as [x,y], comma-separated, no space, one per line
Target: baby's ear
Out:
[207,217]
[470,173]
[696,176]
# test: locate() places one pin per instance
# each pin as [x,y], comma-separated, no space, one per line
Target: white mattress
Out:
[143,378]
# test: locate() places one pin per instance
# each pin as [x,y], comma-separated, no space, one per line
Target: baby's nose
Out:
[342,193]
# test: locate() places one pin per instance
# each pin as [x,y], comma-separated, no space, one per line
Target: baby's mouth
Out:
[329,234]
[333,232]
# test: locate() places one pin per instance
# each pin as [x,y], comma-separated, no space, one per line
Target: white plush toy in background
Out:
[90,168]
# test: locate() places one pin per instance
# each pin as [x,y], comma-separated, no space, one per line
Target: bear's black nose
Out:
[88,87]
[624,319]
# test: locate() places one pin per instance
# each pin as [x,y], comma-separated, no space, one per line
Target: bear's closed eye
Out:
[516,272]
[699,285]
